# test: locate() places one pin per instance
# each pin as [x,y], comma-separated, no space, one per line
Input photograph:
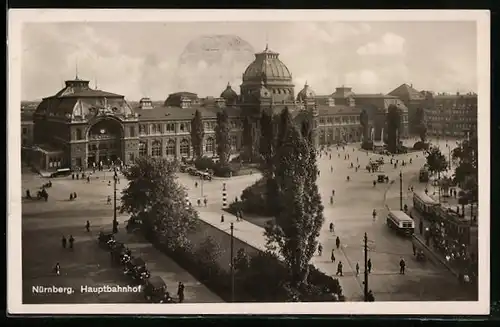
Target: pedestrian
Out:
[74,195]
[374,183]
[348,178]
[195,184]
[57,269]
[331,227]
[426,191]
[332,256]
[320,249]
[64,241]
[87,226]
[337,242]
[339,269]
[402,265]
[28,195]
[331,200]
[71,241]
[369,265]
[412,188]
[73,176]
[199,203]
[205,201]
[455,193]
[357,268]
[109,199]
[77,176]
[331,169]
[370,296]
[180,292]
[71,196]
[333,192]
[88,179]
[222,218]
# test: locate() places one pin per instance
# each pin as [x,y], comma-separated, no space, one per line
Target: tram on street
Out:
[400,222]
[424,204]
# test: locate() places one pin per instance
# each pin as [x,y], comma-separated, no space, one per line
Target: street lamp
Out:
[401,190]
[115,222]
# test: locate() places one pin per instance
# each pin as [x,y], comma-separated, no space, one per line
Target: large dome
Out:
[267,66]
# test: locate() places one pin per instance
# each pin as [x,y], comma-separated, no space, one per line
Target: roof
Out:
[374,96]
[407,91]
[267,65]
[176,113]
[91,93]
[400,215]
[336,110]
[425,198]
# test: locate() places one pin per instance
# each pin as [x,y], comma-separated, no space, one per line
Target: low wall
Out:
[223,238]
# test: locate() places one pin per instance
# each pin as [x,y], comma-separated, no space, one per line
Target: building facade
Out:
[413,100]
[451,115]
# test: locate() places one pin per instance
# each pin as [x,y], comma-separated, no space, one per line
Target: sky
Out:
[155,59]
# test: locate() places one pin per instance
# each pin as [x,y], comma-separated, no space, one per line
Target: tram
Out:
[425,205]
[400,222]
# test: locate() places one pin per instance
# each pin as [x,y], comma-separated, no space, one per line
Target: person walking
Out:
[180,292]
[74,195]
[205,201]
[402,265]
[374,214]
[199,203]
[196,184]
[71,196]
[357,268]
[64,242]
[222,218]
[332,256]
[87,226]
[369,265]
[331,227]
[71,241]
[337,242]
[331,200]
[339,269]
[57,269]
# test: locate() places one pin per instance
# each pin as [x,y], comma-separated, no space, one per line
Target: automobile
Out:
[191,171]
[206,176]
[133,224]
[155,291]
[182,168]
[62,172]
[382,178]
[106,238]
[137,269]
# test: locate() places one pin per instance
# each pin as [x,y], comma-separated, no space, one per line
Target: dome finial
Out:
[306,85]
[228,85]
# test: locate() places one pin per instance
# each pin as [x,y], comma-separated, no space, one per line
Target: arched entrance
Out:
[104,142]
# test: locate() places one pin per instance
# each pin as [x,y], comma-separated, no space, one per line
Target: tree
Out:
[222,137]
[296,226]
[465,156]
[363,120]
[247,137]
[420,124]
[197,134]
[393,128]
[267,140]
[154,196]
[436,161]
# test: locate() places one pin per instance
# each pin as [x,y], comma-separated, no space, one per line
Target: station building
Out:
[80,126]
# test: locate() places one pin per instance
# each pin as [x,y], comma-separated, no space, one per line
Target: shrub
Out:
[254,199]
[420,145]
[204,163]
[368,145]
[221,170]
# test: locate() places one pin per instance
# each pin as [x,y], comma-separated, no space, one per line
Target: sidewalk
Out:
[253,235]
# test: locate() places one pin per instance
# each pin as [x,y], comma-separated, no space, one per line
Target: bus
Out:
[423,176]
[61,172]
[400,222]
[424,204]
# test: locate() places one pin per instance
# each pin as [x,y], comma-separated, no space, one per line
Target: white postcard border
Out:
[17,18]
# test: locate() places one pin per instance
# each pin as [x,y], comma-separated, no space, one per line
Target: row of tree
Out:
[222,136]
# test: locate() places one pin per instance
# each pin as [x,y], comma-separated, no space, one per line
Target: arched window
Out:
[210,145]
[184,148]
[170,149]
[156,149]
[143,149]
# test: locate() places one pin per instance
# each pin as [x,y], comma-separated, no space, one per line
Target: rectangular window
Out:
[25,131]
[132,131]
[142,129]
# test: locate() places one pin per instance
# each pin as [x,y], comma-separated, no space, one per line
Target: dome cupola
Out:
[306,94]
[229,95]
[267,67]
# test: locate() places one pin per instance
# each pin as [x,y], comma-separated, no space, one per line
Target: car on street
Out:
[155,291]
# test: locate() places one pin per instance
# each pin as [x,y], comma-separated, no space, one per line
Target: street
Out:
[44,224]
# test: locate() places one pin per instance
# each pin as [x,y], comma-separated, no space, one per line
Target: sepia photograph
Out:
[265,162]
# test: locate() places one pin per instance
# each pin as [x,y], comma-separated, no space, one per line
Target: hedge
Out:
[261,279]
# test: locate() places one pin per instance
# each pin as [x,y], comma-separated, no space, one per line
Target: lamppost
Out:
[115,222]
[401,190]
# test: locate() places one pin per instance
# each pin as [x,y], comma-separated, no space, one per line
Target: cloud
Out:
[148,59]
[390,44]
